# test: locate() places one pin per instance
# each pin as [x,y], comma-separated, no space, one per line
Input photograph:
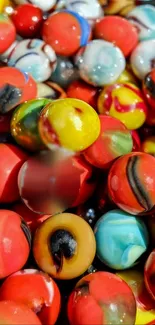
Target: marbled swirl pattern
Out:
[120,239]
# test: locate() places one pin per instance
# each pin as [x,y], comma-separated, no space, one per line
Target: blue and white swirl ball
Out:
[121,239]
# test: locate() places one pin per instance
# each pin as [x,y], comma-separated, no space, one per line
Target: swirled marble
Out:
[120,239]
[100,63]
[35,57]
[91,10]
[143,58]
[143,18]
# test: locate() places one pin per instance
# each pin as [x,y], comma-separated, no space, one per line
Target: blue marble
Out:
[143,18]
[121,239]
[65,72]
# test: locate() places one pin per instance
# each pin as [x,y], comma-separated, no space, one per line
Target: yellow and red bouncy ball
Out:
[124,102]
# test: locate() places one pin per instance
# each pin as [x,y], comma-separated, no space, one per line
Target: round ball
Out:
[60,248]
[36,290]
[131,183]
[120,239]
[124,102]
[79,127]
[100,63]
[101,298]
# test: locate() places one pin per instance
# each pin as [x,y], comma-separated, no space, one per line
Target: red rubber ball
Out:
[27,20]
[15,241]
[119,31]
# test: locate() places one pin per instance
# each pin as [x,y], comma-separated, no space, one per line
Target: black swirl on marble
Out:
[62,244]
[134,180]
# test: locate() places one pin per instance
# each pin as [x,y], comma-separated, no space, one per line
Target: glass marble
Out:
[73,133]
[15,88]
[124,102]
[143,58]
[53,181]
[60,247]
[35,57]
[24,124]
[143,18]
[45,5]
[74,31]
[131,183]
[90,10]
[65,73]
[101,298]
[145,305]
[100,63]
[121,239]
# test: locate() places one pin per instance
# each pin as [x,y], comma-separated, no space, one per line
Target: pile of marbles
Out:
[77,162]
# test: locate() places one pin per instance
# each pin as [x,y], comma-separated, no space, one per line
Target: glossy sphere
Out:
[35,57]
[80,90]
[100,63]
[79,127]
[15,242]
[27,20]
[143,58]
[145,305]
[120,239]
[32,219]
[15,88]
[101,298]
[150,121]
[136,141]
[65,72]
[149,272]
[148,145]
[131,183]
[36,290]
[149,88]
[11,161]
[90,10]
[124,102]
[50,90]
[59,179]
[7,33]
[24,124]
[143,17]
[12,313]
[64,246]
[72,26]
[42,4]
[114,141]
[118,31]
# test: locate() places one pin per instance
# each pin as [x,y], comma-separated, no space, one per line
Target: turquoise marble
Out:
[121,239]
[143,18]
